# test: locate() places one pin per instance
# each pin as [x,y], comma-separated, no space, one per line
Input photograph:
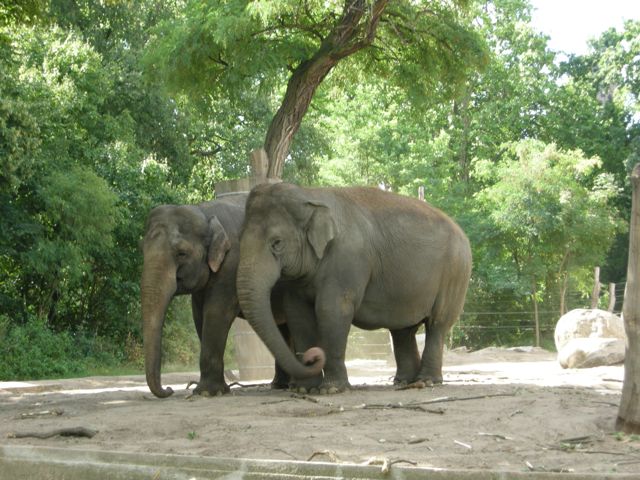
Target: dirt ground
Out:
[502,410]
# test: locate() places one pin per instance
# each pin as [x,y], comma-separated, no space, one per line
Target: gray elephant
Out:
[357,256]
[194,249]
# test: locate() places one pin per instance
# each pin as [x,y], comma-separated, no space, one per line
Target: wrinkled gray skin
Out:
[356,256]
[193,249]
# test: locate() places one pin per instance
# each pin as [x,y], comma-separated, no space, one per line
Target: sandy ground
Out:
[500,410]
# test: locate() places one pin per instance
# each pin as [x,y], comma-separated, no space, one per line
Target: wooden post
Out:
[421,193]
[536,318]
[595,294]
[612,297]
[628,419]
[259,165]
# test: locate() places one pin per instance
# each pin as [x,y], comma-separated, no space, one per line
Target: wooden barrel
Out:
[254,359]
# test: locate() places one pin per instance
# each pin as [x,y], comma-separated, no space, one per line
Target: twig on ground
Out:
[414,441]
[495,435]
[329,453]
[465,445]
[273,402]
[386,463]
[300,396]
[576,441]
[549,470]
[608,404]
[56,412]
[63,432]
[246,385]
[410,406]
[285,452]
[462,399]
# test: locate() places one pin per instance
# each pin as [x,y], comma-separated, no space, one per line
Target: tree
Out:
[548,219]
[240,46]
[628,419]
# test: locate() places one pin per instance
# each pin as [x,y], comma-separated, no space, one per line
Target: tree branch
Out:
[350,35]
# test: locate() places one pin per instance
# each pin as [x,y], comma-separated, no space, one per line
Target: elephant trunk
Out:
[157,287]
[254,294]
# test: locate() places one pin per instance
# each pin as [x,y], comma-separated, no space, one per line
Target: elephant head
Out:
[181,248]
[284,237]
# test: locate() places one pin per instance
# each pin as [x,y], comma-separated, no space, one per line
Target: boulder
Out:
[591,352]
[589,337]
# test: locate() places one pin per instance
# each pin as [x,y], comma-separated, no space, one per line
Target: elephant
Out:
[352,255]
[194,249]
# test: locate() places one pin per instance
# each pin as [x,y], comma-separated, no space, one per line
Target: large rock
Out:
[589,338]
[591,352]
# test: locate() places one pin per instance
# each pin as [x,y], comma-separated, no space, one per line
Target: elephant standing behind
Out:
[194,249]
[352,255]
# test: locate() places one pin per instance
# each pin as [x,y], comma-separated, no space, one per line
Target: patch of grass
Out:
[624,437]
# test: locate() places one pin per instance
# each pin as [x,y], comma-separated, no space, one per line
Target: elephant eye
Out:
[181,255]
[277,245]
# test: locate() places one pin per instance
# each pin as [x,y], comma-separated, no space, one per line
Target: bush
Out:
[33,350]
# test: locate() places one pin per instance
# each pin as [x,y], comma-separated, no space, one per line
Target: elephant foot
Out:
[320,386]
[304,390]
[333,389]
[417,383]
[209,389]
[275,385]
[402,381]
[432,379]
[280,381]
[321,390]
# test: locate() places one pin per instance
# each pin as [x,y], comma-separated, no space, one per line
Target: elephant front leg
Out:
[281,378]
[334,311]
[301,323]
[405,351]
[217,319]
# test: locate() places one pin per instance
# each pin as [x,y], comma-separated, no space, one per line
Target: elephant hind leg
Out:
[445,313]
[405,350]
[431,364]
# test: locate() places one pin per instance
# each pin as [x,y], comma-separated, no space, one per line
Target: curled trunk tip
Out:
[316,358]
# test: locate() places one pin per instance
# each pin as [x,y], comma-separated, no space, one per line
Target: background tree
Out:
[255,46]
[545,218]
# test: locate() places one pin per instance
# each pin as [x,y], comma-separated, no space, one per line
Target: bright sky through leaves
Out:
[571,23]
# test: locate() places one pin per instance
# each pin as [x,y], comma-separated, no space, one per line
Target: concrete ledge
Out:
[18,462]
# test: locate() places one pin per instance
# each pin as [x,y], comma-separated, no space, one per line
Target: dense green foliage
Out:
[109,108]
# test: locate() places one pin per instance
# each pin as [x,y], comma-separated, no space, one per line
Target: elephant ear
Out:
[219,245]
[321,228]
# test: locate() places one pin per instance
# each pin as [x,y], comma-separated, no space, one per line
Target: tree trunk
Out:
[355,31]
[534,297]
[563,294]
[595,293]
[612,297]
[461,109]
[629,412]
[563,274]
